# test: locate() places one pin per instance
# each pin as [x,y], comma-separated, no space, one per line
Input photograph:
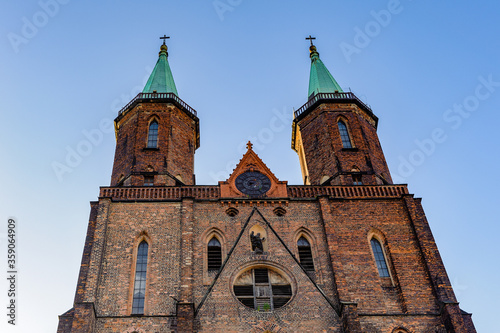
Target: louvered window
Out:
[262,289]
[140,279]
[305,254]
[214,256]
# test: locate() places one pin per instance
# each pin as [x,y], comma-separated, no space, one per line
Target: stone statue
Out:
[257,242]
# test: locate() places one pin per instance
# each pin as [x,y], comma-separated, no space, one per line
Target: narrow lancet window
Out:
[305,254]
[344,135]
[140,279]
[383,271]
[153,134]
[214,254]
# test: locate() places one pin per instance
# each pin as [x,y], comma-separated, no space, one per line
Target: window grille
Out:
[153,135]
[383,271]
[262,289]
[344,135]
[140,279]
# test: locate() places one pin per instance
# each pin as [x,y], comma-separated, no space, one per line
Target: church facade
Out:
[348,251]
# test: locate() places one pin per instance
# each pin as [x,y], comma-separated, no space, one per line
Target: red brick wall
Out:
[345,270]
[176,145]
[324,150]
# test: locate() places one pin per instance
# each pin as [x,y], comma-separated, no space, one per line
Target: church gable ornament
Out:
[252,179]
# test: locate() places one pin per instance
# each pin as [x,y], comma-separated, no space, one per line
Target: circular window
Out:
[262,289]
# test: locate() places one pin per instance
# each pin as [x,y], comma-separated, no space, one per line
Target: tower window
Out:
[140,279]
[383,271]
[344,135]
[305,254]
[149,180]
[356,180]
[214,254]
[153,134]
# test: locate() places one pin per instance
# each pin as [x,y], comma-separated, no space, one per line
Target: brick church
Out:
[347,251]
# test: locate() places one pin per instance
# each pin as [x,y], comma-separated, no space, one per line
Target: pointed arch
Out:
[305,249]
[377,242]
[305,254]
[214,254]
[380,260]
[344,133]
[153,133]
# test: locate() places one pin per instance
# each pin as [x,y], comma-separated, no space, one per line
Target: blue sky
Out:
[429,70]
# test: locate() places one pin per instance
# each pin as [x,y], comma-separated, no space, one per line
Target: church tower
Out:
[156,134]
[346,252]
[335,134]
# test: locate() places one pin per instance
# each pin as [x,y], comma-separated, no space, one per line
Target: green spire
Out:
[320,79]
[161,79]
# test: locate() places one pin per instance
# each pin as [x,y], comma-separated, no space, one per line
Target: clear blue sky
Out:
[66,67]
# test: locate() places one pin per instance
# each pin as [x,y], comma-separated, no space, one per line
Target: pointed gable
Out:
[251,166]
[280,261]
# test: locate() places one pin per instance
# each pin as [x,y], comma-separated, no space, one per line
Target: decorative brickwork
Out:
[265,283]
[171,162]
[318,141]
[345,291]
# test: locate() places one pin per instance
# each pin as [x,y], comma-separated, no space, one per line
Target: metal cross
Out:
[311,39]
[164,38]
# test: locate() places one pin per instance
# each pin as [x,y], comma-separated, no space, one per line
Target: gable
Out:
[252,179]
[222,302]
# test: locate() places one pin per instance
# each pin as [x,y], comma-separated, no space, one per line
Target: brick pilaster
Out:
[185,308]
[349,317]
[451,313]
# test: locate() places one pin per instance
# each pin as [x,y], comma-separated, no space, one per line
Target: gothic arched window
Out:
[383,271]
[214,254]
[140,279]
[305,254]
[153,134]
[344,135]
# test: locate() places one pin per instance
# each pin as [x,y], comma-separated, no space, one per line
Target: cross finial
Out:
[249,145]
[164,38]
[310,38]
